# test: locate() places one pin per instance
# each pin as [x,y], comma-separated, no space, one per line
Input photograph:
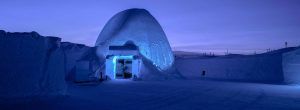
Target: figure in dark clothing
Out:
[203,73]
[101,79]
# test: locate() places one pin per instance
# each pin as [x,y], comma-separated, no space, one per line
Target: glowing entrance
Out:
[123,62]
[123,67]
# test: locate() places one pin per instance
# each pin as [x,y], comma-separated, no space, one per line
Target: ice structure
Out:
[141,28]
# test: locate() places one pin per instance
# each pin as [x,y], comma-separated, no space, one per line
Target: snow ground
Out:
[186,94]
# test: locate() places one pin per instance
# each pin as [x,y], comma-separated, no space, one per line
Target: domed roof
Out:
[141,28]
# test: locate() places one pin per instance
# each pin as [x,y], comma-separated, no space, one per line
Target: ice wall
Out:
[291,66]
[140,27]
[271,67]
[266,68]
[31,65]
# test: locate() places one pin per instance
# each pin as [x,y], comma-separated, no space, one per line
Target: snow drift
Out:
[31,65]
[291,66]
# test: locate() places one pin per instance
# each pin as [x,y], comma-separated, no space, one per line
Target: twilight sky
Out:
[242,26]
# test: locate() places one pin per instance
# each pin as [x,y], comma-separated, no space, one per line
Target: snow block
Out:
[141,28]
[291,66]
[31,65]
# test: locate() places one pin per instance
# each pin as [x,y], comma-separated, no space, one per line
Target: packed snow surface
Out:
[169,95]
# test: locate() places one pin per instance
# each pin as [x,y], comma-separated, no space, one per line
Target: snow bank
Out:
[266,68]
[291,66]
[150,72]
[252,68]
[31,65]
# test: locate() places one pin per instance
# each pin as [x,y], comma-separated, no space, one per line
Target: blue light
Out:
[115,61]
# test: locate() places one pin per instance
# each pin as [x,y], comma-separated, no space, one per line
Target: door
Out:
[123,69]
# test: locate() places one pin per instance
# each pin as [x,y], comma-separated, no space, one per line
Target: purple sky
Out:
[190,25]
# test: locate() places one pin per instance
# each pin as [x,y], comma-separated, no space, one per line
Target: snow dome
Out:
[142,29]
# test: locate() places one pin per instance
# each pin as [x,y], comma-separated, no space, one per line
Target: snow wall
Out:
[74,53]
[141,28]
[31,65]
[291,66]
[265,68]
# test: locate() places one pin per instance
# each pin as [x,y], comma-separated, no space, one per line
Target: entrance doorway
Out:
[123,67]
